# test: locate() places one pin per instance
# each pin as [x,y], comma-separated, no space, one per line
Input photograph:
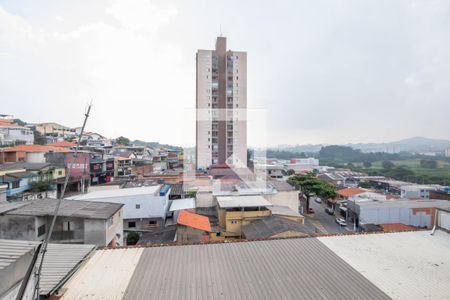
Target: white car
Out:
[341,222]
[318,200]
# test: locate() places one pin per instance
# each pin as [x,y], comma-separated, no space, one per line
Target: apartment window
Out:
[67,226]
[15,184]
[237,77]
[59,173]
[131,224]
[152,223]
[207,77]
[138,206]
[233,221]
[41,230]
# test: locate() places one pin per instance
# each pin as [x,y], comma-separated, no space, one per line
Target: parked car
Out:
[318,200]
[341,222]
[329,211]
[310,210]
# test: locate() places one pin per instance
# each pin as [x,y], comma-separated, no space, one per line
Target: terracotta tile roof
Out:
[397,227]
[348,192]
[193,220]
[62,144]
[123,158]
[35,148]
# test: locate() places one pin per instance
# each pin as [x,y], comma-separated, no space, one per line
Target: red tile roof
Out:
[348,192]
[193,220]
[396,227]
[63,144]
[34,148]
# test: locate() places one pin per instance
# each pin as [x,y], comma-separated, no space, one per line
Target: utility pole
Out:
[58,204]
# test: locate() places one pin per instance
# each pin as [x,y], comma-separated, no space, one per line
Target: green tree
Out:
[121,140]
[364,185]
[39,139]
[132,238]
[428,163]
[310,185]
[388,165]
[367,164]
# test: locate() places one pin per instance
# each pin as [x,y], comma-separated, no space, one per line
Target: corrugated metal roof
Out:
[268,227]
[7,206]
[407,265]
[106,275]
[178,204]
[242,201]
[11,250]
[281,269]
[59,262]
[68,208]
[145,190]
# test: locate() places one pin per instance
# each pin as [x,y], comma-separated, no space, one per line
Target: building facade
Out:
[221,129]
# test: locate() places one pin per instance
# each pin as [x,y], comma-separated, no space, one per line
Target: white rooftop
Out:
[179,204]
[242,201]
[146,190]
[407,265]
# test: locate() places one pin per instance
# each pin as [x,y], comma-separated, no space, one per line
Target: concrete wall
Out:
[191,235]
[443,220]
[3,188]
[422,217]
[18,228]
[285,198]
[95,232]
[36,157]
[204,199]
[115,231]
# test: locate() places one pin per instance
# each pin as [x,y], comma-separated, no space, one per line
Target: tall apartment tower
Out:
[221,106]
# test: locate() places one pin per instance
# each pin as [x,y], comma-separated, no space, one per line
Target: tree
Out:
[310,185]
[367,164]
[429,164]
[39,139]
[121,140]
[364,185]
[132,238]
[388,165]
[289,172]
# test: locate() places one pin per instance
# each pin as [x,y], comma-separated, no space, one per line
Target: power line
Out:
[58,204]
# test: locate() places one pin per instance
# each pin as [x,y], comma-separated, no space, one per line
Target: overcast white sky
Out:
[324,71]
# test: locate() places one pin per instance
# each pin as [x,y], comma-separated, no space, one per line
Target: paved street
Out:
[323,223]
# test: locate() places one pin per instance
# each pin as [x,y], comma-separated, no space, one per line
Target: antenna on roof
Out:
[220,30]
[43,249]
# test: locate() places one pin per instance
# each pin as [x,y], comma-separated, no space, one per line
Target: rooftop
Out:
[63,144]
[284,211]
[179,204]
[276,269]
[348,192]
[111,193]
[406,265]
[34,148]
[268,227]
[76,209]
[399,203]
[242,201]
[24,165]
[193,220]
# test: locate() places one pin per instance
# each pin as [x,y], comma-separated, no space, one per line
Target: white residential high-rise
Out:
[221,107]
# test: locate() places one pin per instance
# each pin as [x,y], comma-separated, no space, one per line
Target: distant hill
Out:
[414,144]
[155,145]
